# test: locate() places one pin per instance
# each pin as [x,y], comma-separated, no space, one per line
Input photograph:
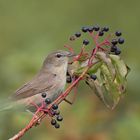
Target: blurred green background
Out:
[30,29]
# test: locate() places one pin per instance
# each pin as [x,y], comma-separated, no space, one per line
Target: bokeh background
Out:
[30,29]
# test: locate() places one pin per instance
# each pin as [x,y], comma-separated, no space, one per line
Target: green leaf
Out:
[111,82]
[97,89]
[110,89]
[95,67]
[107,61]
[122,68]
[111,72]
[122,71]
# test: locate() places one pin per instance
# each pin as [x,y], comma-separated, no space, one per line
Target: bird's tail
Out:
[6,105]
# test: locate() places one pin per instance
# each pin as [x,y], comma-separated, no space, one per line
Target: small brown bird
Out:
[49,82]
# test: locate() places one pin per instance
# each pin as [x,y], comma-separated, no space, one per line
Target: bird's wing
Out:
[41,83]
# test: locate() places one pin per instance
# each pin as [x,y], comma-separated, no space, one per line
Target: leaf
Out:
[111,82]
[107,76]
[122,71]
[122,68]
[107,61]
[93,69]
[111,94]
[111,72]
[96,87]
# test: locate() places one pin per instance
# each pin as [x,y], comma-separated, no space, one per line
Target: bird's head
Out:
[57,58]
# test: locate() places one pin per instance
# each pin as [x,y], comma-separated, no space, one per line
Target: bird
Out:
[50,81]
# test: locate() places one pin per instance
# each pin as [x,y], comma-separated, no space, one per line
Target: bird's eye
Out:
[58,55]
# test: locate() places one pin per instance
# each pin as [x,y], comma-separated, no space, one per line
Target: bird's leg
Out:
[33,104]
[38,108]
[30,112]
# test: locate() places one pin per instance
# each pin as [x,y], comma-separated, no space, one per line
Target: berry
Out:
[96,28]
[85,42]
[121,40]
[53,122]
[57,125]
[43,95]
[118,33]
[48,101]
[55,106]
[72,38]
[113,48]
[118,51]
[90,29]
[59,118]
[57,112]
[93,76]
[84,29]
[69,79]
[114,41]
[52,112]
[106,29]
[68,73]
[101,33]
[78,34]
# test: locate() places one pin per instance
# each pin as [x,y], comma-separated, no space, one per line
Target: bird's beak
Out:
[71,54]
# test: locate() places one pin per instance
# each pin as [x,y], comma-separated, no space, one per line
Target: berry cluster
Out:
[54,112]
[56,117]
[100,31]
[115,42]
[110,44]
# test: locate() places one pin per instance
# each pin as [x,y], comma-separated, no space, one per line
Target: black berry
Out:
[118,33]
[68,73]
[53,122]
[48,101]
[90,29]
[118,51]
[85,42]
[101,33]
[121,40]
[96,28]
[59,118]
[113,48]
[69,79]
[114,41]
[106,29]
[57,125]
[57,112]
[84,29]
[78,34]
[93,76]
[55,106]
[43,95]
[52,112]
